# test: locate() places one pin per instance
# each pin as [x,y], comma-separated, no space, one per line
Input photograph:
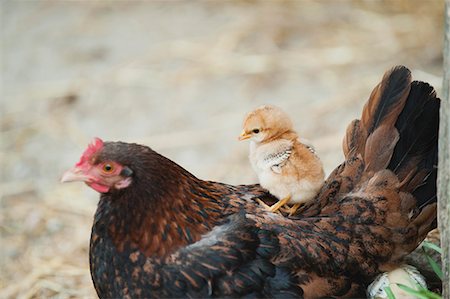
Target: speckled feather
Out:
[170,234]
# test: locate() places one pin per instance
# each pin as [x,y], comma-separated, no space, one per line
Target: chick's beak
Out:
[244,136]
[74,174]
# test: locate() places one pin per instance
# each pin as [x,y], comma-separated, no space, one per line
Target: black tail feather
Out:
[418,125]
[387,98]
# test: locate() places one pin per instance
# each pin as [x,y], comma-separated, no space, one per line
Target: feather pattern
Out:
[272,154]
[276,159]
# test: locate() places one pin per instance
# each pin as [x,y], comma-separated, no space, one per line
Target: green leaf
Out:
[432,246]
[435,266]
[411,290]
[389,293]
[431,295]
[421,293]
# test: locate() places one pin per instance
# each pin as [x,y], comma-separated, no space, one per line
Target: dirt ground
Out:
[179,77]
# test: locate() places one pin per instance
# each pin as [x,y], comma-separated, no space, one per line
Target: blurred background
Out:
[179,77]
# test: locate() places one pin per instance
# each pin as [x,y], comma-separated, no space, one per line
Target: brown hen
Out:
[161,232]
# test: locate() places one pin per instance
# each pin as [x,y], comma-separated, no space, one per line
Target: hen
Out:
[287,168]
[161,232]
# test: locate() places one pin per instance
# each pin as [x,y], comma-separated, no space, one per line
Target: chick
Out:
[287,168]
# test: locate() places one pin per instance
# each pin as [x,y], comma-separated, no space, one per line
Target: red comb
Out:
[93,147]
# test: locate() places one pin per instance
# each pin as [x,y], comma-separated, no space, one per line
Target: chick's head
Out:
[264,123]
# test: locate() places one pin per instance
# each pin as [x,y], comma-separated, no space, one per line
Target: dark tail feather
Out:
[387,99]
[415,155]
[374,136]
[398,130]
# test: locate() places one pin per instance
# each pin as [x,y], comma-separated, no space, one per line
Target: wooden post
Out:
[444,161]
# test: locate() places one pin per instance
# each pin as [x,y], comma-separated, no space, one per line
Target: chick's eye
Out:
[256,131]
[108,168]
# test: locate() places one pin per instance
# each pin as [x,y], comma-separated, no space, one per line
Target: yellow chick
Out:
[287,168]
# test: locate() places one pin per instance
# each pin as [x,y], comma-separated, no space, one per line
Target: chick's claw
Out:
[279,204]
[262,203]
[294,209]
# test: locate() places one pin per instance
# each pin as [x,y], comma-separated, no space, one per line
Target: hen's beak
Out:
[244,136]
[74,174]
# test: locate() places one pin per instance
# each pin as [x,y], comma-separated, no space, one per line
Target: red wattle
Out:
[99,188]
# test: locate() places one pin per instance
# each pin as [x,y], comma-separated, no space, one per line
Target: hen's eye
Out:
[108,168]
[256,131]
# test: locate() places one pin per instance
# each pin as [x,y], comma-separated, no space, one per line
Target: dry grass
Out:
[177,76]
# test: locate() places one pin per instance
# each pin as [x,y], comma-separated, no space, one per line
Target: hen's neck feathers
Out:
[165,208]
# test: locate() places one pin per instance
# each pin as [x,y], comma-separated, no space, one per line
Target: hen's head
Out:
[265,123]
[104,166]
